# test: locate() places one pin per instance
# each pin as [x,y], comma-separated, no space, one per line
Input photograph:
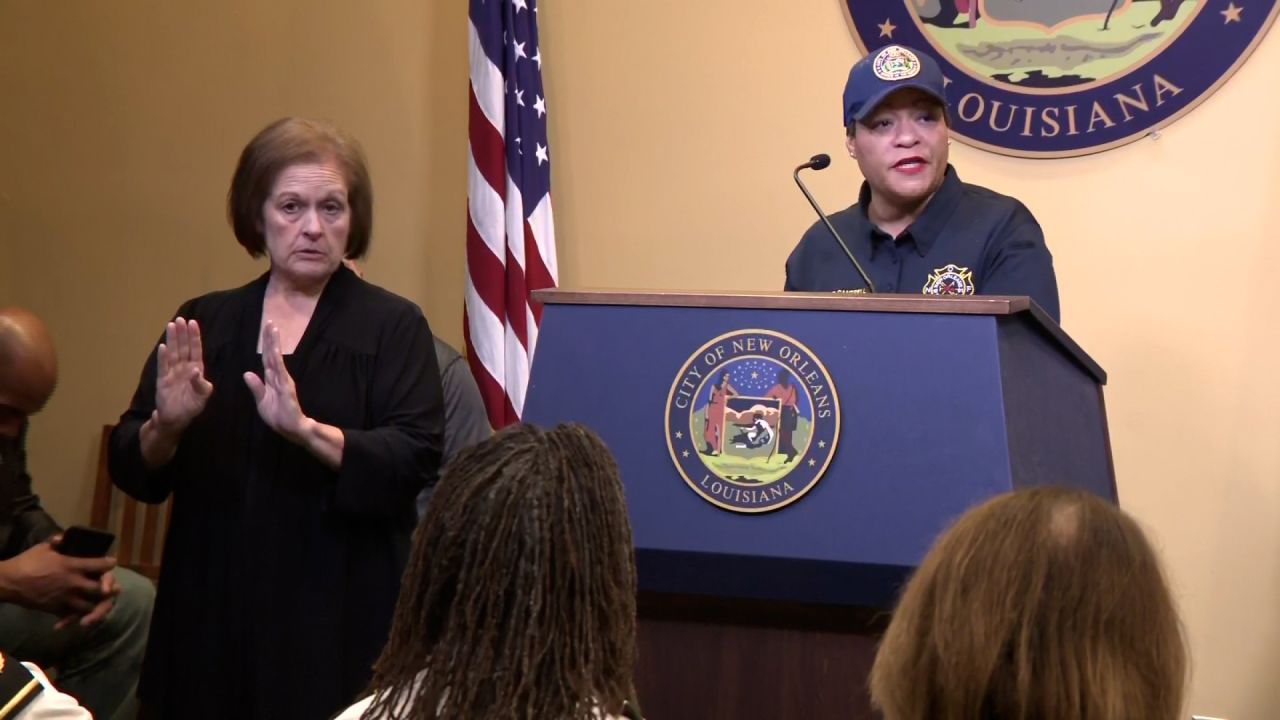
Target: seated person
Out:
[465,421]
[1044,603]
[83,616]
[519,600]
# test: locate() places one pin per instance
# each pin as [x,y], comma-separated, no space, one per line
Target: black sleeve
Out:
[19,688]
[384,467]
[789,269]
[124,452]
[1023,265]
[31,524]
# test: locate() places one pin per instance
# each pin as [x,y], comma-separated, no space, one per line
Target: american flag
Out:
[511,247]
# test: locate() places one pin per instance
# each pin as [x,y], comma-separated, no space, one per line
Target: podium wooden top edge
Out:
[776,300]
[840,302]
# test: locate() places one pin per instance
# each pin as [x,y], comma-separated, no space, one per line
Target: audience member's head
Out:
[28,368]
[519,598]
[1042,604]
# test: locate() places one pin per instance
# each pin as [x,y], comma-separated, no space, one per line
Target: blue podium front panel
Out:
[922,436]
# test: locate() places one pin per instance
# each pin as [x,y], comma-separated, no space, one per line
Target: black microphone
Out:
[820,162]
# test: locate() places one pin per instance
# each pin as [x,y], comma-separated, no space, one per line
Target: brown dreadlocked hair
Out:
[519,597]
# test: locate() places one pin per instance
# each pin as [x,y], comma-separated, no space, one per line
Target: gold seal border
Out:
[1147,131]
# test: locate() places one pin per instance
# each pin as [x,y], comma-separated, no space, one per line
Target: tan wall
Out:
[122,123]
[674,127]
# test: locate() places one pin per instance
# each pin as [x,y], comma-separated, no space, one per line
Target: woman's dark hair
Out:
[519,597]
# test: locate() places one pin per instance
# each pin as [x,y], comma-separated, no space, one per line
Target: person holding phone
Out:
[82,615]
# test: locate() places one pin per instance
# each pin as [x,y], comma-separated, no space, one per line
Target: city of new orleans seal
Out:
[752,420]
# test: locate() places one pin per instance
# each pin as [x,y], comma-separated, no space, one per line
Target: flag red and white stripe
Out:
[511,248]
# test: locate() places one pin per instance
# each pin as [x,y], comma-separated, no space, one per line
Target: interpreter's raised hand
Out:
[182,390]
[274,392]
[43,579]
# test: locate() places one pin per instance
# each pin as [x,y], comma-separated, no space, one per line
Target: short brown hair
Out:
[1041,604]
[290,141]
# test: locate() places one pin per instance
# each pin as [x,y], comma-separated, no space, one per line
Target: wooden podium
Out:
[760,605]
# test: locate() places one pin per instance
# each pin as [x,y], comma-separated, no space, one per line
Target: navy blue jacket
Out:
[968,240]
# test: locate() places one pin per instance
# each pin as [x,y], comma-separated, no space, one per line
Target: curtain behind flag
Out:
[511,247]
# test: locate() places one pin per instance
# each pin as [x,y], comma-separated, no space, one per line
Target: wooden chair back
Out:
[138,547]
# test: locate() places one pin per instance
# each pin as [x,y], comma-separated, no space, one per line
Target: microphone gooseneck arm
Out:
[818,162]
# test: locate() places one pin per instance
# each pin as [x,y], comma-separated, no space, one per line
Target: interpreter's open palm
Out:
[182,390]
[274,392]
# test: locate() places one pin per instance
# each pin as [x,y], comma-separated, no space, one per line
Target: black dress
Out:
[280,575]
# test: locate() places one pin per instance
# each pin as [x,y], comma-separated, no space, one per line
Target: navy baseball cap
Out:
[885,71]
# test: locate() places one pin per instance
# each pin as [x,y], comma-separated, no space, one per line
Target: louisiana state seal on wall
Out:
[752,421]
[1055,78]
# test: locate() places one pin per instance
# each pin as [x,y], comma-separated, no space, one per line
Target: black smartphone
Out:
[79,541]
